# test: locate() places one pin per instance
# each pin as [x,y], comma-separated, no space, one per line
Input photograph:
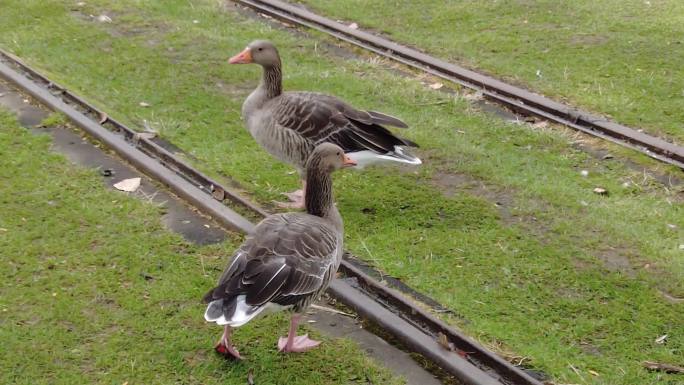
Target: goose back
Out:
[287,262]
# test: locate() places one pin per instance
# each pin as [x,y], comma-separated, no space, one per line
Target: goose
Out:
[287,261]
[289,125]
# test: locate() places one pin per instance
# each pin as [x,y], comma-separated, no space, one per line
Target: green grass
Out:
[555,273]
[75,304]
[620,58]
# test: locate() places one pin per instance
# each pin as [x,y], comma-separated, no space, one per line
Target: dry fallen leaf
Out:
[250,377]
[144,135]
[593,373]
[103,117]
[144,104]
[600,191]
[540,124]
[128,185]
[104,19]
[353,26]
[436,86]
[667,368]
[661,340]
[474,96]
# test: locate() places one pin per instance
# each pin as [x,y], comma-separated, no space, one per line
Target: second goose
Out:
[289,125]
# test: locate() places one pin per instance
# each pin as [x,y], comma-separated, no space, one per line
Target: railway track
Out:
[406,320]
[515,98]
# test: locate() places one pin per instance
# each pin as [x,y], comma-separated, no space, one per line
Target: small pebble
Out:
[584,173]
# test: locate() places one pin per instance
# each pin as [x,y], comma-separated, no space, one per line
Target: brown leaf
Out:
[443,341]
[103,117]
[667,368]
[128,185]
[144,135]
[218,193]
[436,86]
[661,339]
[600,191]
[250,377]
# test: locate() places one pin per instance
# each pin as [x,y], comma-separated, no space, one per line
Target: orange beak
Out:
[348,162]
[243,57]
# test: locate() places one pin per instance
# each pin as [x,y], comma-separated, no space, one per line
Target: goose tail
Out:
[399,155]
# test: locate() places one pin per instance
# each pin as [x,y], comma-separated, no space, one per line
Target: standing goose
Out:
[286,262]
[290,124]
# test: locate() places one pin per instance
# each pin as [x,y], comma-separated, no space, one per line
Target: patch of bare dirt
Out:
[588,39]
[452,183]
[617,259]
[233,91]
[116,25]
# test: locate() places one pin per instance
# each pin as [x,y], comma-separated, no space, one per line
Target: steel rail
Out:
[518,99]
[468,361]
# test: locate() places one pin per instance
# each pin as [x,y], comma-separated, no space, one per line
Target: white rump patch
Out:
[243,312]
[367,157]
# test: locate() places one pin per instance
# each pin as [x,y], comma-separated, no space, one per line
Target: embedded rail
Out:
[415,328]
[515,98]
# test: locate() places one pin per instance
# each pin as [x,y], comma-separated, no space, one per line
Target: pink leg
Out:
[224,347]
[296,199]
[294,343]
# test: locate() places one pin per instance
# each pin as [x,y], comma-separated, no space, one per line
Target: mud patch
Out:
[587,39]
[617,260]
[233,91]
[451,184]
[122,24]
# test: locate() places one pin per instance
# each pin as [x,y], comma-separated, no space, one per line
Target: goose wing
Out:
[323,118]
[288,257]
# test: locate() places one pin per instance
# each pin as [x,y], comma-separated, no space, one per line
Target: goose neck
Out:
[272,81]
[319,200]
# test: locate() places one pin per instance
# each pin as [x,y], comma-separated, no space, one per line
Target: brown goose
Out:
[290,124]
[287,261]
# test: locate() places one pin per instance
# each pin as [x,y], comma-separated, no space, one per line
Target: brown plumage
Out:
[290,124]
[287,261]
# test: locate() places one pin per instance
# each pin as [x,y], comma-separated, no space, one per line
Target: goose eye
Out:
[260,49]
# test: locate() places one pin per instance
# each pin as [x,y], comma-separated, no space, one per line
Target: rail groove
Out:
[414,327]
[515,98]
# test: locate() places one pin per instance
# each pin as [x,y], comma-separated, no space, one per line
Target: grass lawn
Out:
[76,306]
[621,58]
[498,224]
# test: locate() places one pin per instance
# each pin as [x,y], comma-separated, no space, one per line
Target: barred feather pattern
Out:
[290,124]
[287,261]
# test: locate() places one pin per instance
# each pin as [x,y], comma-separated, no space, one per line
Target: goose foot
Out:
[225,348]
[299,344]
[296,200]
[294,343]
[291,205]
[295,195]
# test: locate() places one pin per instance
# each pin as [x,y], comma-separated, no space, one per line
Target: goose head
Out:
[328,157]
[261,52]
